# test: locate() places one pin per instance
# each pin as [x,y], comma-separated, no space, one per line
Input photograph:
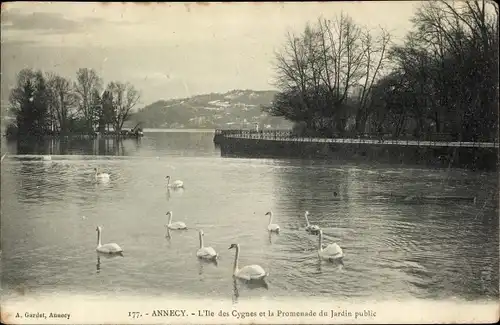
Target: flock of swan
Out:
[331,252]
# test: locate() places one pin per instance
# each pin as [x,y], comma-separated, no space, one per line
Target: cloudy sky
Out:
[170,50]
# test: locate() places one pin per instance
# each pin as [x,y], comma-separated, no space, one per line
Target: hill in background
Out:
[234,109]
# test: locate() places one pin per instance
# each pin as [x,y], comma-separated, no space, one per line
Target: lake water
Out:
[394,249]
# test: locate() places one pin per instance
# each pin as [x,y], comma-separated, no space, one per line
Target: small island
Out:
[46,105]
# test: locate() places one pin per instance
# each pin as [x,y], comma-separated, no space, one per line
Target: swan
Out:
[249,272]
[311,228]
[331,252]
[178,225]
[103,176]
[272,227]
[175,184]
[207,253]
[112,248]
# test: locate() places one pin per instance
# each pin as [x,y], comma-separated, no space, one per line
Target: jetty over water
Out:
[288,136]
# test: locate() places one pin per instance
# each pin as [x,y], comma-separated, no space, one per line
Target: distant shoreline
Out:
[158,130]
[145,130]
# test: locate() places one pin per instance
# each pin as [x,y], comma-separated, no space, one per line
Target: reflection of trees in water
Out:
[76,146]
[109,147]
[184,142]
[33,147]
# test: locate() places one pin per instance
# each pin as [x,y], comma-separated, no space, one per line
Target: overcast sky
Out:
[170,50]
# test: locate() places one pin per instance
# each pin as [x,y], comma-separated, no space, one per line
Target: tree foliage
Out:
[47,104]
[318,70]
[122,98]
[442,79]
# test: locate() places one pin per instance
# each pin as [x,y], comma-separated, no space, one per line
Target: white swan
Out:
[207,253]
[272,227]
[178,225]
[249,272]
[331,252]
[311,228]
[101,176]
[111,248]
[175,184]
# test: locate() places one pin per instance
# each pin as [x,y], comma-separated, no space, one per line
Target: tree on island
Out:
[52,104]
[29,103]
[63,101]
[88,86]
[122,98]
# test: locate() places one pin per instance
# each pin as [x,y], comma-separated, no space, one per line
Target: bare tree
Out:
[373,60]
[87,84]
[461,39]
[62,100]
[123,97]
[322,65]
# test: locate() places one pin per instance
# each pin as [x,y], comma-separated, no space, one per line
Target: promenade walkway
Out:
[286,136]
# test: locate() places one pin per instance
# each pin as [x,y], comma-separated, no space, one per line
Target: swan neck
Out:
[98,238]
[201,241]
[170,219]
[236,258]
[307,219]
[270,217]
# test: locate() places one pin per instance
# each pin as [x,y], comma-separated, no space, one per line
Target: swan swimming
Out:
[178,225]
[112,248]
[249,272]
[311,228]
[175,184]
[207,253]
[101,176]
[331,252]
[272,227]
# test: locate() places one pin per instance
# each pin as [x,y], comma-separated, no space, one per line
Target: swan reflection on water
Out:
[247,284]
[168,235]
[336,265]
[105,256]
[202,263]
[271,235]
[171,191]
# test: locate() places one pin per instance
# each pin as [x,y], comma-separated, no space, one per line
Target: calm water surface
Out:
[394,249]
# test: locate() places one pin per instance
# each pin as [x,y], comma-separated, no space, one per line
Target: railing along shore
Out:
[437,140]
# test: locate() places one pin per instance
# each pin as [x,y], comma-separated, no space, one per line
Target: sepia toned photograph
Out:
[249,163]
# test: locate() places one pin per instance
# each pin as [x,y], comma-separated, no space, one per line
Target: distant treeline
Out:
[48,104]
[337,77]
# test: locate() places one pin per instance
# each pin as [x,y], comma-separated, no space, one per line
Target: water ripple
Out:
[50,210]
